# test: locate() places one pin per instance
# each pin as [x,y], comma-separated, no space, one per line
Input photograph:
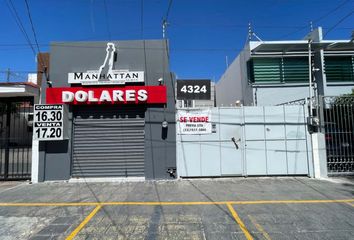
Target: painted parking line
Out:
[75,204]
[232,202]
[83,223]
[50,204]
[229,204]
[259,227]
[236,217]
[239,222]
[293,201]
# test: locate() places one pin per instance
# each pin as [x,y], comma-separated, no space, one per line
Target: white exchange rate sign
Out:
[48,122]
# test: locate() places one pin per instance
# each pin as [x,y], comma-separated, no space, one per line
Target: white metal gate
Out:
[247,141]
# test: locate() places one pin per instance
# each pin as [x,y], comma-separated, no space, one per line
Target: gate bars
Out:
[16,119]
[338,124]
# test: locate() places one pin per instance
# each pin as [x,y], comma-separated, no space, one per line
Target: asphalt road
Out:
[238,208]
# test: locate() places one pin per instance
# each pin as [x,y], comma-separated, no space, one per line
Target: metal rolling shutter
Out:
[108,141]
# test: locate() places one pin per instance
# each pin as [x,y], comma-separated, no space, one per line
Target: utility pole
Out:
[310,78]
[164,28]
[249,32]
[165,20]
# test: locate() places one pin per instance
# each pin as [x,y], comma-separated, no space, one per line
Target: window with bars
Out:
[339,69]
[278,70]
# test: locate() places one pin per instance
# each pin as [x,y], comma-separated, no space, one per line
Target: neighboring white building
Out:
[275,72]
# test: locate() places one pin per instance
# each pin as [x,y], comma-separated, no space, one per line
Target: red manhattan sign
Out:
[107,95]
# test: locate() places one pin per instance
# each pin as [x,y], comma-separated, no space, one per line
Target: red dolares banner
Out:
[107,95]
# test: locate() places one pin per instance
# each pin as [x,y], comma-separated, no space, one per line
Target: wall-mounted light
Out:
[164,131]
[160,80]
[164,124]
[49,83]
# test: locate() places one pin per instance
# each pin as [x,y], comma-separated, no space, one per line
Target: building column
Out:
[319,155]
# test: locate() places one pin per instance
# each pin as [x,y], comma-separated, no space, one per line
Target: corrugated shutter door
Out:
[108,141]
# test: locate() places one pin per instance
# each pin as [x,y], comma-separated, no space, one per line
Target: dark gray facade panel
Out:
[55,166]
[108,142]
[150,56]
[41,163]
[160,144]
[54,158]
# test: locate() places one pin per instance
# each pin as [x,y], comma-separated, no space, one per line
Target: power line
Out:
[231,25]
[340,21]
[32,26]
[168,10]
[206,49]
[17,71]
[165,19]
[134,48]
[41,61]
[19,24]
[292,33]
[92,17]
[107,19]
[16,49]
[241,26]
[142,18]
[317,19]
[332,11]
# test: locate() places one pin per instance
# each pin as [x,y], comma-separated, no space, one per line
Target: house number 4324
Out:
[193,89]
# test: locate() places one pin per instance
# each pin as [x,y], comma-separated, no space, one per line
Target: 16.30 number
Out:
[49,116]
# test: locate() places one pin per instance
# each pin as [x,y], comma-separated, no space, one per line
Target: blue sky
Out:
[201,32]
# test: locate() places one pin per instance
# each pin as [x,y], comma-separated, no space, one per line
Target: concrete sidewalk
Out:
[234,208]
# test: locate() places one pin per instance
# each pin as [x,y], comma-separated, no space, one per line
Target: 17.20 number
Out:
[48,133]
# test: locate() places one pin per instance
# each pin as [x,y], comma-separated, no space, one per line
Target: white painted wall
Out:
[319,155]
[338,90]
[229,87]
[35,162]
[278,95]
